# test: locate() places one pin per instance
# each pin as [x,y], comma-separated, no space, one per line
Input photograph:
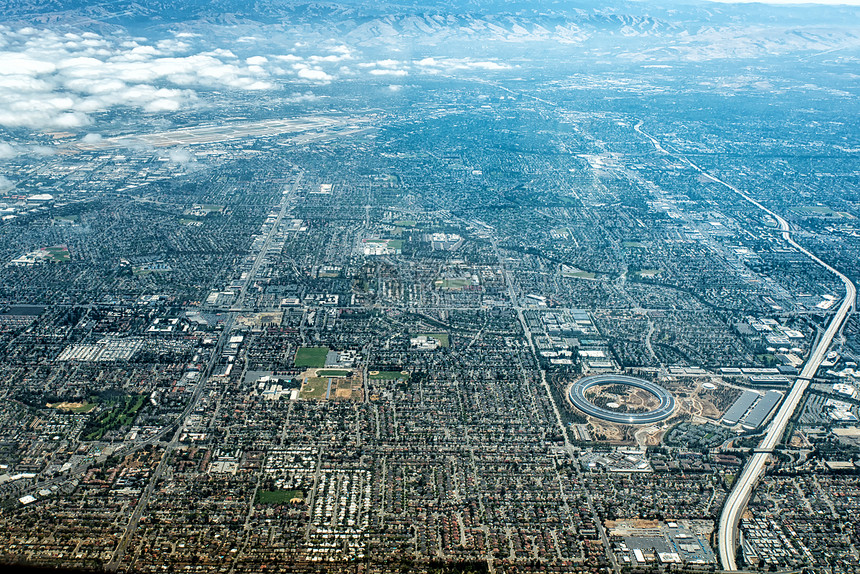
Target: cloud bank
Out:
[52,81]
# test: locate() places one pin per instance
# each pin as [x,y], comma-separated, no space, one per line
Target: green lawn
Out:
[453,283]
[632,244]
[388,375]
[818,209]
[116,414]
[278,496]
[311,357]
[314,388]
[58,253]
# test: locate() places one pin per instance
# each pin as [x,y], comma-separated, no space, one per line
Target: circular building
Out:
[663,411]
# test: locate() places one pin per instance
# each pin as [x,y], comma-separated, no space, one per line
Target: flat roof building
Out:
[739,408]
[762,410]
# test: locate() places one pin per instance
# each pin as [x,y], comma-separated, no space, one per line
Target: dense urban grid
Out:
[316,288]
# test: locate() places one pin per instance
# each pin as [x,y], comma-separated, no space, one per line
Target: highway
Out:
[743,486]
[746,481]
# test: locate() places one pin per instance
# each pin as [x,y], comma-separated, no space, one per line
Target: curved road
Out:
[743,486]
[663,411]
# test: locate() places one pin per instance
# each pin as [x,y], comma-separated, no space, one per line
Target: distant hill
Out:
[689,31]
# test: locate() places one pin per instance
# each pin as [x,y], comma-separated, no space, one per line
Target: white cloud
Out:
[24,84]
[51,81]
[331,58]
[6,183]
[387,72]
[433,65]
[486,65]
[172,46]
[222,53]
[258,85]
[91,138]
[95,85]
[7,151]
[43,150]
[298,97]
[163,105]
[24,65]
[314,75]
[180,155]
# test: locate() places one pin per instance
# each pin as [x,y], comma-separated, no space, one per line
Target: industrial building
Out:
[762,410]
[739,408]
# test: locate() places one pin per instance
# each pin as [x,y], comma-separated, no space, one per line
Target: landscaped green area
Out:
[404,223]
[311,357]
[633,244]
[333,373]
[314,388]
[818,210]
[116,413]
[58,253]
[395,244]
[767,359]
[452,283]
[277,496]
[388,375]
[441,337]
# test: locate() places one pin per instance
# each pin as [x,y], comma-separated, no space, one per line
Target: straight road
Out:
[134,520]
